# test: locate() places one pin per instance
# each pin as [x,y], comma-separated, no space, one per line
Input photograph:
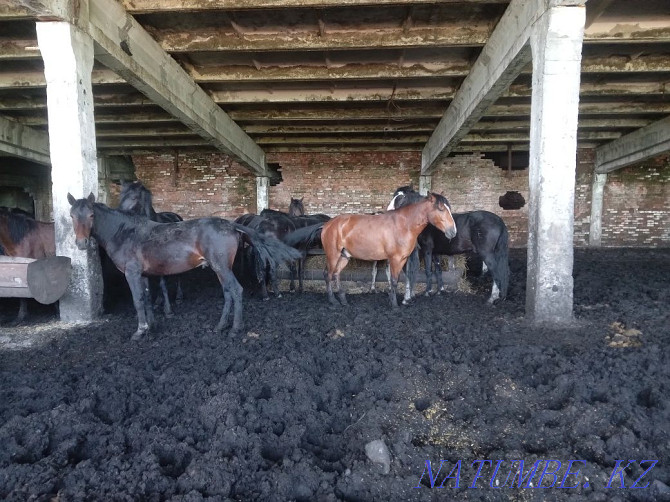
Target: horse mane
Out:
[116,220]
[18,225]
[441,199]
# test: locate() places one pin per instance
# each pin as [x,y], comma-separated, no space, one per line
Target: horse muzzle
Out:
[82,243]
[450,232]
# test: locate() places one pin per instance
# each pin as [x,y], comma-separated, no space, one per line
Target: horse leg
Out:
[23,312]
[167,308]
[428,263]
[272,274]
[232,294]
[151,320]
[495,289]
[179,299]
[339,266]
[291,286]
[137,290]
[438,273]
[395,266]
[301,272]
[374,277]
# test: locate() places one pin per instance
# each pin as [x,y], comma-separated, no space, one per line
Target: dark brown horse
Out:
[140,247]
[21,235]
[388,236]
[137,198]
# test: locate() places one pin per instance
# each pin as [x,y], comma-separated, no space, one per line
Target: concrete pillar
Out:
[425,183]
[597,195]
[262,193]
[103,180]
[556,43]
[68,60]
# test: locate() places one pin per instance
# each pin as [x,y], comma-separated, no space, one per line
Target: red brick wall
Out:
[360,182]
[472,182]
[636,204]
[199,185]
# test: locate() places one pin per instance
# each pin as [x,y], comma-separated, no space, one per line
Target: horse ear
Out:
[70,199]
[301,198]
[91,197]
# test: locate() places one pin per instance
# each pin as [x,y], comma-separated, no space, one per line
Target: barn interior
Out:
[223,108]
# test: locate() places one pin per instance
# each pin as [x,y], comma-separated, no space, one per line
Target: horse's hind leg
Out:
[232,294]
[23,312]
[342,262]
[167,308]
[179,299]
[151,320]
[495,289]
[272,274]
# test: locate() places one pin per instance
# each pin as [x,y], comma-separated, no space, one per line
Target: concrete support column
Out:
[425,183]
[597,195]
[556,44]
[262,193]
[68,60]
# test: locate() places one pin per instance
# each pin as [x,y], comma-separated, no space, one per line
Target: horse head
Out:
[135,198]
[296,208]
[440,215]
[82,219]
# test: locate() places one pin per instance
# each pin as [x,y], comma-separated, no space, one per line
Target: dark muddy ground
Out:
[284,411]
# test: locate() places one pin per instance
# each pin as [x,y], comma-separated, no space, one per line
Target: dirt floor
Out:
[285,410]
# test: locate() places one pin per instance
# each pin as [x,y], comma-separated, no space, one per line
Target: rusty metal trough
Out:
[45,279]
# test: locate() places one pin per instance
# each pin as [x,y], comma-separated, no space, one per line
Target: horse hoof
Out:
[278,295]
[266,299]
[169,314]
[405,302]
[137,336]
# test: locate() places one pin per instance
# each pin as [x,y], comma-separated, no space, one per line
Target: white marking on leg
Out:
[408,292]
[374,275]
[484,268]
[495,293]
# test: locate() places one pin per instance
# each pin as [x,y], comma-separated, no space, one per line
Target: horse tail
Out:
[501,259]
[304,237]
[267,250]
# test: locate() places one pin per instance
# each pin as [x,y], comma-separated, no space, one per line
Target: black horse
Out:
[140,247]
[481,232]
[137,198]
[244,262]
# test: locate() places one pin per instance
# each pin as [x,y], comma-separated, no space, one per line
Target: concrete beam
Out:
[125,47]
[635,147]
[503,57]
[146,6]
[131,52]
[23,141]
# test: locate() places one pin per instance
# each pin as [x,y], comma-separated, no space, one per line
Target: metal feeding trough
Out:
[45,279]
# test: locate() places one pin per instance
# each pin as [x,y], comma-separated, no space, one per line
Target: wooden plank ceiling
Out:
[342,75]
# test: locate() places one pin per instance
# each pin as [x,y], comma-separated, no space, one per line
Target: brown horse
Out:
[389,236]
[21,235]
[140,247]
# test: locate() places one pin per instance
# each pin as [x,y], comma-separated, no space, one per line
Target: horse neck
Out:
[416,216]
[107,222]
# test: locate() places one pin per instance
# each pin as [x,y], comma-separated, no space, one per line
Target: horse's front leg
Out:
[438,273]
[301,272]
[151,320]
[374,277]
[134,278]
[428,263]
[395,267]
